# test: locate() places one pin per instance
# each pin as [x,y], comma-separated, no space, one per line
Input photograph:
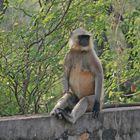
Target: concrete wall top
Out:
[113,124]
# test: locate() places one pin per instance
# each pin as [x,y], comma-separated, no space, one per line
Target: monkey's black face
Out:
[83,40]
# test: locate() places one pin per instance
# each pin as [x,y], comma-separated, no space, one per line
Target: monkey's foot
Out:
[67,116]
[57,113]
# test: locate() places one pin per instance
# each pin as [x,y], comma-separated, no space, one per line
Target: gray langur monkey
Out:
[83,79]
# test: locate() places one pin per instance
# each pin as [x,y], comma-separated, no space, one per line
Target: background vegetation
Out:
[34,40]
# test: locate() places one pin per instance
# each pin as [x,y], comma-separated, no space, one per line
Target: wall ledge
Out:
[113,124]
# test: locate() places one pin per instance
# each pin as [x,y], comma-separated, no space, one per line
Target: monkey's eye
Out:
[83,40]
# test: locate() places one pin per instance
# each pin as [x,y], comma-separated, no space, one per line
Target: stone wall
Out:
[112,124]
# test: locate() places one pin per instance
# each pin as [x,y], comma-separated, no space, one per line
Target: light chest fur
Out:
[81,78]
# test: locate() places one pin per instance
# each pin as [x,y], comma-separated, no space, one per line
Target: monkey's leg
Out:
[86,103]
[62,103]
[67,101]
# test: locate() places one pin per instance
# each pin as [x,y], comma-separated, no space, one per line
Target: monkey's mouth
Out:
[83,40]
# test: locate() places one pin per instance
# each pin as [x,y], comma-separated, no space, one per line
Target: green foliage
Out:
[33,42]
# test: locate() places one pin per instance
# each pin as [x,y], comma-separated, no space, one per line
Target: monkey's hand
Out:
[96,109]
[58,113]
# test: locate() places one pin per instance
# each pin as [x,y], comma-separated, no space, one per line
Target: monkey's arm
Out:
[98,86]
[65,82]
[67,67]
[97,69]
[98,94]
